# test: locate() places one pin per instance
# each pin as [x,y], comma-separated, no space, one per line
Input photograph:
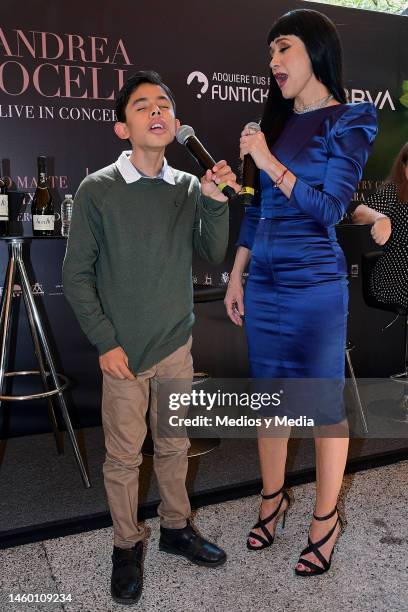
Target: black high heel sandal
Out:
[314,547]
[261,524]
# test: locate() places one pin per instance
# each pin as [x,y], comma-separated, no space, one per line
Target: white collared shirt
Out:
[130,174]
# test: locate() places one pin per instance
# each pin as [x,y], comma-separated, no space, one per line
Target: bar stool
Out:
[198,446]
[41,347]
[204,294]
[398,412]
[350,346]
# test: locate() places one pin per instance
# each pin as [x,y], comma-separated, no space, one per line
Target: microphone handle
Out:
[226,190]
[249,175]
[201,155]
[205,160]
[249,179]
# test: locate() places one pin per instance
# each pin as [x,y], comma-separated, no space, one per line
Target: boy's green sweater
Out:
[127,270]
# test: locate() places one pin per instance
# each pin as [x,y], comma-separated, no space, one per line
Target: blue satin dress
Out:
[296,296]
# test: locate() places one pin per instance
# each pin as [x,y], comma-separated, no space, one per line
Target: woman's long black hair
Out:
[323,46]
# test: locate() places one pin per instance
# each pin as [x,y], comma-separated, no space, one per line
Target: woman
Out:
[389,207]
[311,152]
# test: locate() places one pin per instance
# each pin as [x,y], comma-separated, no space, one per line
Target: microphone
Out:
[186,136]
[249,172]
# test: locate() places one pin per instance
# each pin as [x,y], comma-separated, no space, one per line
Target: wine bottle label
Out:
[4,214]
[43,222]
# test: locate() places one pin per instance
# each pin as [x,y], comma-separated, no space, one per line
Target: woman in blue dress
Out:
[310,152]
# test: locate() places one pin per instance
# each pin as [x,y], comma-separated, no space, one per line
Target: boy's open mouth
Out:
[158,127]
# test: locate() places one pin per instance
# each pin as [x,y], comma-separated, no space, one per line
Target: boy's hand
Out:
[115,363]
[221,173]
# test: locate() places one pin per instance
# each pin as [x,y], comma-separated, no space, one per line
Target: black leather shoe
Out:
[127,574]
[189,544]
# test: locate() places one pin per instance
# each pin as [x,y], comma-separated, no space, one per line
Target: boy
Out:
[127,275]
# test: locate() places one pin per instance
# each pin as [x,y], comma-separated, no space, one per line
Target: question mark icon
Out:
[201,78]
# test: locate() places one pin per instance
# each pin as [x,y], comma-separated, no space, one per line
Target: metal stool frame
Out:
[41,346]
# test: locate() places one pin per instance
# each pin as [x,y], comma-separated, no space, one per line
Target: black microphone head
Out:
[184,133]
[252,125]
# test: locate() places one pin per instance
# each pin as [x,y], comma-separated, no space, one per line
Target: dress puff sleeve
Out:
[250,223]
[349,143]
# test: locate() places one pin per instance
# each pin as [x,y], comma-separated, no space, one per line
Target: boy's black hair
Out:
[132,83]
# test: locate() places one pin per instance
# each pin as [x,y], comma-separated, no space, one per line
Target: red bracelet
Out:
[280,179]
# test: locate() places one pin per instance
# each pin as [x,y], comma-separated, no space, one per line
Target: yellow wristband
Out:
[247,191]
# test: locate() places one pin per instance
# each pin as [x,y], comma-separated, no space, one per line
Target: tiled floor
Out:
[369,571]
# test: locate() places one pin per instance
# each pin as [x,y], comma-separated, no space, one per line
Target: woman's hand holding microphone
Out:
[254,144]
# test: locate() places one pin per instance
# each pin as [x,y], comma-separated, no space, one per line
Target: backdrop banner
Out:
[61,67]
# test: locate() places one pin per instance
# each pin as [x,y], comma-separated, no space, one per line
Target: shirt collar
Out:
[130,174]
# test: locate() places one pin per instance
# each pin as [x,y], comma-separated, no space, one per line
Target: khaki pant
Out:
[124,407]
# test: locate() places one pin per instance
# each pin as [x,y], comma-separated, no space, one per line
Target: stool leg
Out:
[356,391]
[3,297]
[43,339]
[80,437]
[5,318]
[3,444]
[58,435]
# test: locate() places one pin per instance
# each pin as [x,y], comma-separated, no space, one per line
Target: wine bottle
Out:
[4,208]
[42,208]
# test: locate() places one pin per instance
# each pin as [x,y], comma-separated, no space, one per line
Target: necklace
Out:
[313,106]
